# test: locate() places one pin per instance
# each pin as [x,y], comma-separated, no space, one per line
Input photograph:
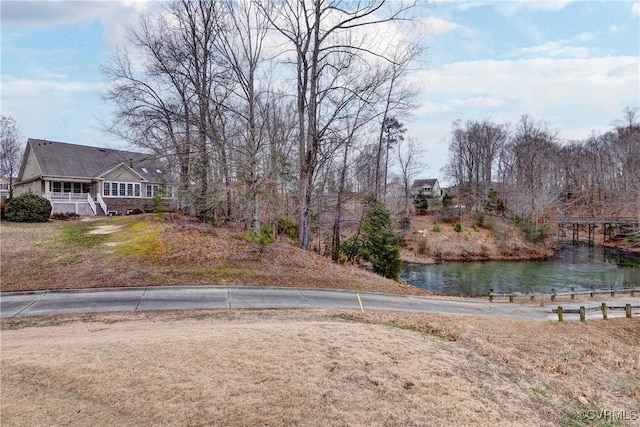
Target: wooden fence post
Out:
[627,309]
[511,297]
[613,293]
[560,313]
[573,294]
[553,294]
[490,294]
[591,294]
[582,315]
[604,310]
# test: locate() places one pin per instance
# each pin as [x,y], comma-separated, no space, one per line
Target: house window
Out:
[77,187]
[4,186]
[57,187]
[66,187]
[149,191]
[121,189]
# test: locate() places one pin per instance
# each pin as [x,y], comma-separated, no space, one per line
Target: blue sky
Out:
[573,64]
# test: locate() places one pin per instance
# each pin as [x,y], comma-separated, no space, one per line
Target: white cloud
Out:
[438,26]
[541,79]
[12,86]
[556,49]
[563,48]
[575,95]
[635,9]
[53,13]
[515,7]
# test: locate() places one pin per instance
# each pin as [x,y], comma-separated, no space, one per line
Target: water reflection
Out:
[579,267]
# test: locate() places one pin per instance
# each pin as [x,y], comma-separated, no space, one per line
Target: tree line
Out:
[271,111]
[538,177]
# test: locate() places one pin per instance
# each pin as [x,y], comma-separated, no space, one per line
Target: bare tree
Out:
[397,102]
[10,150]
[407,155]
[474,151]
[241,47]
[322,35]
[534,146]
[173,105]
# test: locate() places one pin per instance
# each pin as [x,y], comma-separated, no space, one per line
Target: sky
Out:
[572,64]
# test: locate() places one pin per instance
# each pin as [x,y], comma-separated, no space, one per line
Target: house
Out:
[426,187]
[92,180]
[4,188]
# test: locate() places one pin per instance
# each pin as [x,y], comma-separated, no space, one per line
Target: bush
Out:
[421,203]
[436,227]
[450,216]
[376,242]
[404,223]
[494,203]
[533,233]
[288,227]
[265,237]
[422,247]
[478,218]
[457,227]
[28,207]
[447,201]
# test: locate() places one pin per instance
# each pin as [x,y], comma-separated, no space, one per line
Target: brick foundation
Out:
[122,205]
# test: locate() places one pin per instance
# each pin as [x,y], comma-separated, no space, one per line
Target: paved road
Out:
[217,297]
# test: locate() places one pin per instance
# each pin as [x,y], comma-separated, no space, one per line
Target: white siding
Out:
[31,167]
[121,174]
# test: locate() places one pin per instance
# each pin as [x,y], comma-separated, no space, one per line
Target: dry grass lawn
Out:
[144,250]
[319,367]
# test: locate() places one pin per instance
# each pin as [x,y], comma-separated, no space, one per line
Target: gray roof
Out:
[61,159]
[422,182]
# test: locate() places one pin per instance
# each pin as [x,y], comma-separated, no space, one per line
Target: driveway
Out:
[38,303]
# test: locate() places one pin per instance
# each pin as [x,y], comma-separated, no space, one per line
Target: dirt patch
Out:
[106,229]
[300,367]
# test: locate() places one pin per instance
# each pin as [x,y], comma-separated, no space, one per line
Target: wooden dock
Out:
[610,227]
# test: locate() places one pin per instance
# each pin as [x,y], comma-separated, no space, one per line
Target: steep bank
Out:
[144,250]
[431,240]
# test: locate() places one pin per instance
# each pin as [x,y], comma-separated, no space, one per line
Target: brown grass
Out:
[496,240]
[146,251]
[318,367]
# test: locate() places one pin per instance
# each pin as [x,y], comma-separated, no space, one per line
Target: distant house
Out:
[426,187]
[92,180]
[4,189]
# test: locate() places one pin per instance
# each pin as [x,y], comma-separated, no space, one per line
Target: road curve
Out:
[55,302]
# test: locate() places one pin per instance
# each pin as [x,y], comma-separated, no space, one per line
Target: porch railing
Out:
[76,198]
[67,197]
[101,202]
[92,204]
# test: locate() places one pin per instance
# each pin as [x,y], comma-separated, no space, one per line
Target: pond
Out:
[579,267]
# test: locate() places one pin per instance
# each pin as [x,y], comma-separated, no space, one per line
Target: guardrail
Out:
[602,308]
[572,294]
